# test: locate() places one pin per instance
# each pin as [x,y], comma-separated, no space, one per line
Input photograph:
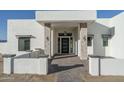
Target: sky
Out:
[30,14]
[12,14]
[107,13]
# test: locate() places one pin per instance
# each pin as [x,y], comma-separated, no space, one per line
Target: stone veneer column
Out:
[83,41]
[48,39]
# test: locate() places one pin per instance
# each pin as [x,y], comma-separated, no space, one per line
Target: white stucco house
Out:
[66,32]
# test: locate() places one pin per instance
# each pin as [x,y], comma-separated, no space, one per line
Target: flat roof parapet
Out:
[55,16]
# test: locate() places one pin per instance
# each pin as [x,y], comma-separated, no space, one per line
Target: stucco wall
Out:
[26,66]
[65,15]
[3,47]
[106,66]
[112,67]
[116,43]
[94,66]
[24,27]
[90,49]
[31,66]
[104,26]
[97,28]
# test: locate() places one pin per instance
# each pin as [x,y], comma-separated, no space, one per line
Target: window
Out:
[65,34]
[89,41]
[23,43]
[105,41]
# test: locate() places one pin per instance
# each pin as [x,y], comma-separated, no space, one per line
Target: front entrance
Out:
[65,45]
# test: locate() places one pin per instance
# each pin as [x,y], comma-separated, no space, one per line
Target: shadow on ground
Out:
[63,62]
[56,68]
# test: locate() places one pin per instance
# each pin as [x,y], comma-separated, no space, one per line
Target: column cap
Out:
[83,25]
[9,55]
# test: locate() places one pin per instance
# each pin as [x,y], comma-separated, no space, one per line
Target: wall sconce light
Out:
[47,38]
[65,33]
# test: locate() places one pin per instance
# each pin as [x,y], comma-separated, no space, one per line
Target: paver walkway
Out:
[68,68]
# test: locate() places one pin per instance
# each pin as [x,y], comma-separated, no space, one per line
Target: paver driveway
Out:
[68,68]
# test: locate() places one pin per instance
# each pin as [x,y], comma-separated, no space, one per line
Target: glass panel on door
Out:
[65,45]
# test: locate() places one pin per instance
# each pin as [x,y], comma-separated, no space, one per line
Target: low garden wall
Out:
[106,66]
[93,66]
[25,65]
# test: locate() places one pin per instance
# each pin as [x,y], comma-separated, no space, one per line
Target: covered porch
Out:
[66,31]
[66,38]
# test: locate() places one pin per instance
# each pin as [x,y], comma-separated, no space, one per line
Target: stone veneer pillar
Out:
[48,39]
[83,41]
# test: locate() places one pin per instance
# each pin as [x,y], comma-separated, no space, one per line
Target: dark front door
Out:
[65,45]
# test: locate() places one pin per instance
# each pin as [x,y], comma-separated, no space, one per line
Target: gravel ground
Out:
[89,78]
[62,70]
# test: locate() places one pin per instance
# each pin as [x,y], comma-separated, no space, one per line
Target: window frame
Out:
[105,41]
[91,40]
[107,37]
[24,49]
